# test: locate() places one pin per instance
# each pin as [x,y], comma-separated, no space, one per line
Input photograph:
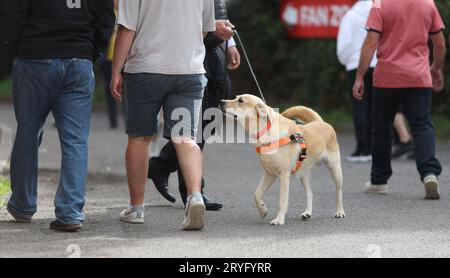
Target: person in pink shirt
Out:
[400,31]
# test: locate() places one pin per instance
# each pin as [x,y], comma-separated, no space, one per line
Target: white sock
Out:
[136,208]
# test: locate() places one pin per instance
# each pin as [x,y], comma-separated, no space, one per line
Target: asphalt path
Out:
[400,224]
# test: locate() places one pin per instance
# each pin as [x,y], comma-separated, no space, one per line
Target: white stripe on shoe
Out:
[362,158]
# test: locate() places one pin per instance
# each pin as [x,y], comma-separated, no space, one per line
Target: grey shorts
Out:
[180,96]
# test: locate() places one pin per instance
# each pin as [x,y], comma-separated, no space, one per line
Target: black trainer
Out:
[402,149]
[62,227]
[209,205]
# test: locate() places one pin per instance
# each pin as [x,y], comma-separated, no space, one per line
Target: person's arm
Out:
[104,22]
[234,57]
[439,48]
[368,51]
[437,68]
[124,41]
[129,11]
[374,26]
[16,12]
[449,39]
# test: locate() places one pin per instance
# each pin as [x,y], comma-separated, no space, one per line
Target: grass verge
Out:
[5,188]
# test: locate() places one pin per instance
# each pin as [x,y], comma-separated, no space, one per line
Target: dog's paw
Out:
[306,216]
[339,214]
[263,211]
[277,222]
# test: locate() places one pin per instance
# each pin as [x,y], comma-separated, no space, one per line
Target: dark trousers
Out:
[416,105]
[218,88]
[110,102]
[362,112]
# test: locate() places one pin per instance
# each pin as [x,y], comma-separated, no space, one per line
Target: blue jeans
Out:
[64,87]
[416,104]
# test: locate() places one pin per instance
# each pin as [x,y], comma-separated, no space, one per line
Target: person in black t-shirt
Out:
[55,43]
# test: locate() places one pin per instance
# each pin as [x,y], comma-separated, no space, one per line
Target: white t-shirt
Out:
[169,34]
[352,34]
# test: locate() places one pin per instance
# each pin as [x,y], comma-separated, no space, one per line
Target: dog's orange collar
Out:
[295,138]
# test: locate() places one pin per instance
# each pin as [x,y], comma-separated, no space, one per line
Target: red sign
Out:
[314,18]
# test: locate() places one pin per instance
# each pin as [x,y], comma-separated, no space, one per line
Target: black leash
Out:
[250,65]
[225,80]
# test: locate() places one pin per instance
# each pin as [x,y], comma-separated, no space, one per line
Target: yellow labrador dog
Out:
[285,148]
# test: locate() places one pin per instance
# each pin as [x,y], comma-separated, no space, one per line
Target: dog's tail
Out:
[305,114]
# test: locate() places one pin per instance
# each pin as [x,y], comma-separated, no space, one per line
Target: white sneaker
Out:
[134,215]
[431,185]
[358,156]
[195,212]
[376,189]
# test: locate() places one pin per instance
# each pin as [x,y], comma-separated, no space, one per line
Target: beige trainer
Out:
[431,185]
[376,189]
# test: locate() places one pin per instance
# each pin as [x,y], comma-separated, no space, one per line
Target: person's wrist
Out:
[116,74]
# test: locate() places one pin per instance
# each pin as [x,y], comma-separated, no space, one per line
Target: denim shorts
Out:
[180,97]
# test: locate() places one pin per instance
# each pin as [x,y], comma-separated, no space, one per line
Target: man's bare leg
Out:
[137,167]
[191,163]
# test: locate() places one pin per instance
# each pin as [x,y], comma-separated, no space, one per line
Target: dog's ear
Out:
[263,111]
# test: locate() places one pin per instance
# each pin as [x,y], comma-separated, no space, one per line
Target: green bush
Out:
[298,71]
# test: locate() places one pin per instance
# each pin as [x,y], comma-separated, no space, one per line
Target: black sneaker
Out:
[211,206]
[62,227]
[359,156]
[402,149]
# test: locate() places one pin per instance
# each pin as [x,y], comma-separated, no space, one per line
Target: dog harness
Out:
[297,137]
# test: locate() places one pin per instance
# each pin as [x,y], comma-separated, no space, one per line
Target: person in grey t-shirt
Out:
[159,47]
[219,88]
